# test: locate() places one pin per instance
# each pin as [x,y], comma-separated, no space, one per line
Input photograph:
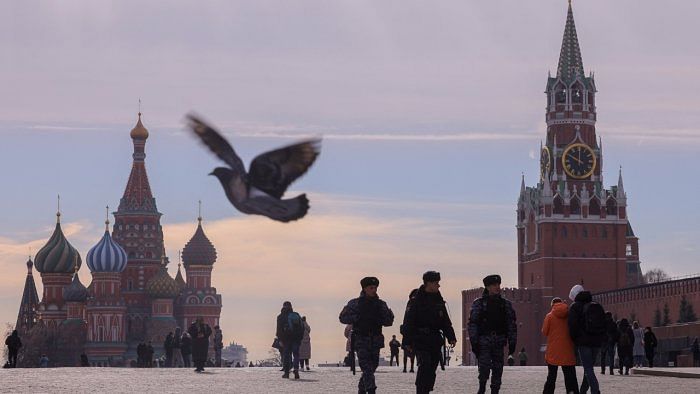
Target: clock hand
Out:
[578,160]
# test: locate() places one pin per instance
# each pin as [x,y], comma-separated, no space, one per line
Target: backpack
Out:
[624,339]
[594,319]
[294,326]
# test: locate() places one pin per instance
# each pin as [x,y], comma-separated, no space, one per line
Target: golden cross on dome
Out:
[199,217]
[107,218]
[58,208]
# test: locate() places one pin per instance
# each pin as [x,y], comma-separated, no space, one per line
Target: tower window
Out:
[628,250]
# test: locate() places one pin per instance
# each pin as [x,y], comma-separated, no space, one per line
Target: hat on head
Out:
[574,292]
[431,276]
[492,280]
[369,281]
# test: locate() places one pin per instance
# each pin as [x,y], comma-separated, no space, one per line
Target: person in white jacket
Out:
[638,350]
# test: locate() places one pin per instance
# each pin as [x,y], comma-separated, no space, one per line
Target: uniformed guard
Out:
[426,326]
[492,326]
[367,314]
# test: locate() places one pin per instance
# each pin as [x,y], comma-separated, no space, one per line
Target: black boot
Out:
[296,374]
[482,388]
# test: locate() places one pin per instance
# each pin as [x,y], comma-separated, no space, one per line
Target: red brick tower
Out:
[198,298]
[570,228]
[137,229]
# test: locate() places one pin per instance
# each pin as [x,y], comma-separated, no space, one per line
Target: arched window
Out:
[558,205]
[577,94]
[594,207]
[564,232]
[575,206]
[611,207]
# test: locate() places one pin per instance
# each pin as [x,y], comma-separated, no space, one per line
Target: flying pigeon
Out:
[259,191]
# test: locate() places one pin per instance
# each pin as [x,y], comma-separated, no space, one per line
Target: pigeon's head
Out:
[224,174]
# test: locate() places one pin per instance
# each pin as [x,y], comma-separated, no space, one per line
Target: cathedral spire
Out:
[570,61]
[137,195]
[26,318]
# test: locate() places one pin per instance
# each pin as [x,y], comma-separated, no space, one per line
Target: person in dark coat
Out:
[625,345]
[367,314]
[186,349]
[650,344]
[394,346]
[426,326]
[587,343]
[84,362]
[607,349]
[13,343]
[289,332]
[200,333]
[168,346]
[140,355]
[149,355]
[695,349]
[492,326]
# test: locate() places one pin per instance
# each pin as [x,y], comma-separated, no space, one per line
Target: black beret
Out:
[492,280]
[369,281]
[431,276]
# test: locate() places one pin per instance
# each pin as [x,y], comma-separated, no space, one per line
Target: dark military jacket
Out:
[477,315]
[352,313]
[426,321]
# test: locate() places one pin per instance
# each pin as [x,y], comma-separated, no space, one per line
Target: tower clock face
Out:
[578,161]
[545,162]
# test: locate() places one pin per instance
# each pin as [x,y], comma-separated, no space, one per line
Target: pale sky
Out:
[430,111]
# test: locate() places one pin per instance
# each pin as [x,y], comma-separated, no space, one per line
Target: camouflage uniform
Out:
[367,315]
[489,337]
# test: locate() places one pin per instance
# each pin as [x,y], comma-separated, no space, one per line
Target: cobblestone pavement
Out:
[319,380]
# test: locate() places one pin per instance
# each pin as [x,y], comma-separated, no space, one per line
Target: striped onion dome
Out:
[75,292]
[58,255]
[162,285]
[199,250]
[106,256]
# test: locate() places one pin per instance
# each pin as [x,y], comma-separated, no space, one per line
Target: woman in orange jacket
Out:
[560,348]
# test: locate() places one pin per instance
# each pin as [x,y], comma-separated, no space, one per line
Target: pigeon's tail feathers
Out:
[297,208]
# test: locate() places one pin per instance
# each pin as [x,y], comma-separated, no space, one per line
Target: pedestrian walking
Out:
[13,343]
[168,346]
[367,314]
[695,349]
[200,333]
[290,332]
[394,346]
[650,344]
[560,348]
[607,349]
[492,326]
[218,345]
[587,329]
[522,356]
[44,361]
[638,349]
[177,360]
[625,345]
[305,347]
[84,362]
[186,349]
[426,326]
[141,355]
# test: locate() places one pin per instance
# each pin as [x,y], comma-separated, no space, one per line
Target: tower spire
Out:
[199,216]
[58,208]
[570,61]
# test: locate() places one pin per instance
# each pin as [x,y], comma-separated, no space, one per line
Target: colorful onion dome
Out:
[199,250]
[139,132]
[58,255]
[162,285]
[75,292]
[106,256]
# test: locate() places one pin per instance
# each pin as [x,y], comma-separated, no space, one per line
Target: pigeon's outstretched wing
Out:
[272,172]
[216,143]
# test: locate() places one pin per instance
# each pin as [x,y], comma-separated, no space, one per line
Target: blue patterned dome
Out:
[106,256]
[58,255]
[75,292]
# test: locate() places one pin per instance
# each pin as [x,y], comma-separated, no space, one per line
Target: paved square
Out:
[319,380]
